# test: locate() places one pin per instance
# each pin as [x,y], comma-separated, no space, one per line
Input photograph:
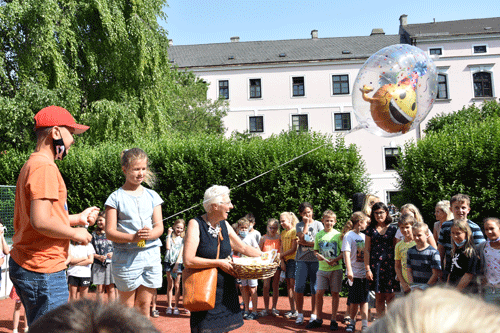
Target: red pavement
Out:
[180,324]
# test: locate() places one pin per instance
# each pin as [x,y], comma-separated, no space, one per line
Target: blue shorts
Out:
[168,267]
[290,269]
[305,270]
[134,268]
[39,292]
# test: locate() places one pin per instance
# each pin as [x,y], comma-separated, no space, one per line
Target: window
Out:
[482,84]
[342,121]
[300,123]
[480,49]
[442,87]
[298,86]
[391,158]
[224,89]
[256,124]
[340,84]
[255,88]
[436,51]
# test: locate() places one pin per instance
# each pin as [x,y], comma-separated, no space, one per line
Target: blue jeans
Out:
[39,292]
[305,270]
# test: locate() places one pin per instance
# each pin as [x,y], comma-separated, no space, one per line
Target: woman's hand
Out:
[226,265]
[369,275]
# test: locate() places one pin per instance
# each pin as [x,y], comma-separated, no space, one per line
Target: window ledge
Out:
[442,100]
[493,98]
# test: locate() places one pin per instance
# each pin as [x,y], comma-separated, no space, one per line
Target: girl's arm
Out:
[291,250]
[112,233]
[191,242]
[368,244]
[86,261]
[432,241]
[262,241]
[169,238]
[179,257]
[157,220]
[409,273]
[464,281]
[4,245]
[348,266]
[238,246]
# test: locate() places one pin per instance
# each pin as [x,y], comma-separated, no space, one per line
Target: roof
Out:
[279,51]
[454,28]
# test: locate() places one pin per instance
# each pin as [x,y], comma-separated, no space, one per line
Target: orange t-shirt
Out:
[271,244]
[39,179]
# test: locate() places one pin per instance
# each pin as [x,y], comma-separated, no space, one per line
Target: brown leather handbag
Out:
[199,286]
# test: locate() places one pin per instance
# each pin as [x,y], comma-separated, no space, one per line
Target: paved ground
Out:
[180,323]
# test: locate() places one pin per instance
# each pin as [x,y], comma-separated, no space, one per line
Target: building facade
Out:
[307,84]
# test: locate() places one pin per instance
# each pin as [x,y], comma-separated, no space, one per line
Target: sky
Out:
[216,21]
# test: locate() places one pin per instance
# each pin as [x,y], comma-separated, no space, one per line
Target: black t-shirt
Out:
[460,264]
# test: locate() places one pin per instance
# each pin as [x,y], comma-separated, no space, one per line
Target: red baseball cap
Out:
[57,116]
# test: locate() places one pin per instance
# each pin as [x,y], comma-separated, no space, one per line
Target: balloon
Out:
[394,90]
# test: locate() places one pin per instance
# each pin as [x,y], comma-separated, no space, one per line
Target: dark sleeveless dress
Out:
[226,315]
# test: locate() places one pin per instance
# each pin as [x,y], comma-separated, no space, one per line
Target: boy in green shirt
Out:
[327,248]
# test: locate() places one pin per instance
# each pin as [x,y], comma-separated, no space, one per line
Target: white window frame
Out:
[444,71]
[263,123]
[435,47]
[261,88]
[482,68]
[348,84]
[228,87]
[333,120]
[291,86]
[300,114]
[482,44]
[384,156]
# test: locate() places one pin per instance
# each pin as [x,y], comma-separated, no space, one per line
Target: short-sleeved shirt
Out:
[306,253]
[355,244]
[102,246]
[400,254]
[39,179]
[287,238]
[250,240]
[80,251]
[172,255]
[460,264]
[256,233]
[134,213]
[491,263]
[445,236]
[422,262]
[329,245]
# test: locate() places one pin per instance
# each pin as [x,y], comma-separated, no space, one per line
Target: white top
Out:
[492,265]
[80,251]
[355,244]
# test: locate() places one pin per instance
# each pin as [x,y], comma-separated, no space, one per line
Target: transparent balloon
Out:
[394,90]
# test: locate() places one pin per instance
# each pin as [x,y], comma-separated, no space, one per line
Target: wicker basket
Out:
[256,271]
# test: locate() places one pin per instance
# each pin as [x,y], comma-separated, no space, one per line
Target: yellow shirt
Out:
[287,239]
[400,254]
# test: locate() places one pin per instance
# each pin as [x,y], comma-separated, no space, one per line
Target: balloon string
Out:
[357,128]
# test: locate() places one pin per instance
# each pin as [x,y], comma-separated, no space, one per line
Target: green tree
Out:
[459,154]
[105,61]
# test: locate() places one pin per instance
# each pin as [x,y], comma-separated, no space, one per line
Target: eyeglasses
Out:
[227,203]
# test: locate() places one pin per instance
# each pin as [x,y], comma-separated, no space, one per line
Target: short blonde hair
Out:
[444,205]
[420,226]
[438,310]
[329,213]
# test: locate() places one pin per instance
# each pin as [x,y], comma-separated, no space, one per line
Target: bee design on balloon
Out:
[404,79]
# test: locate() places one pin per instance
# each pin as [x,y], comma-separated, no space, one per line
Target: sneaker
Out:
[347,320]
[253,316]
[176,311]
[155,313]
[350,328]
[263,313]
[275,313]
[168,311]
[288,314]
[186,311]
[334,325]
[245,315]
[364,329]
[300,319]
[316,323]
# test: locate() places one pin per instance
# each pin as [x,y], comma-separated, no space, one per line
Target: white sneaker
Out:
[176,311]
[300,319]
[168,311]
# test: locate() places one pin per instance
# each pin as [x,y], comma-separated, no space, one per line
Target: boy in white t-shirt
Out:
[353,246]
[80,261]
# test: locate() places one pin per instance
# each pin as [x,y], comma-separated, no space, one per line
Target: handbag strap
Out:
[219,237]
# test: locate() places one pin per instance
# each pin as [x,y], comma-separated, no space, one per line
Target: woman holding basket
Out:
[200,251]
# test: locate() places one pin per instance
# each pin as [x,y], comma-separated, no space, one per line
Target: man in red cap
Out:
[42,224]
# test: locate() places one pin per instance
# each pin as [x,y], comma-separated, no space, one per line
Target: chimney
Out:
[402,20]
[377,31]
[314,34]
[170,42]
[235,39]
